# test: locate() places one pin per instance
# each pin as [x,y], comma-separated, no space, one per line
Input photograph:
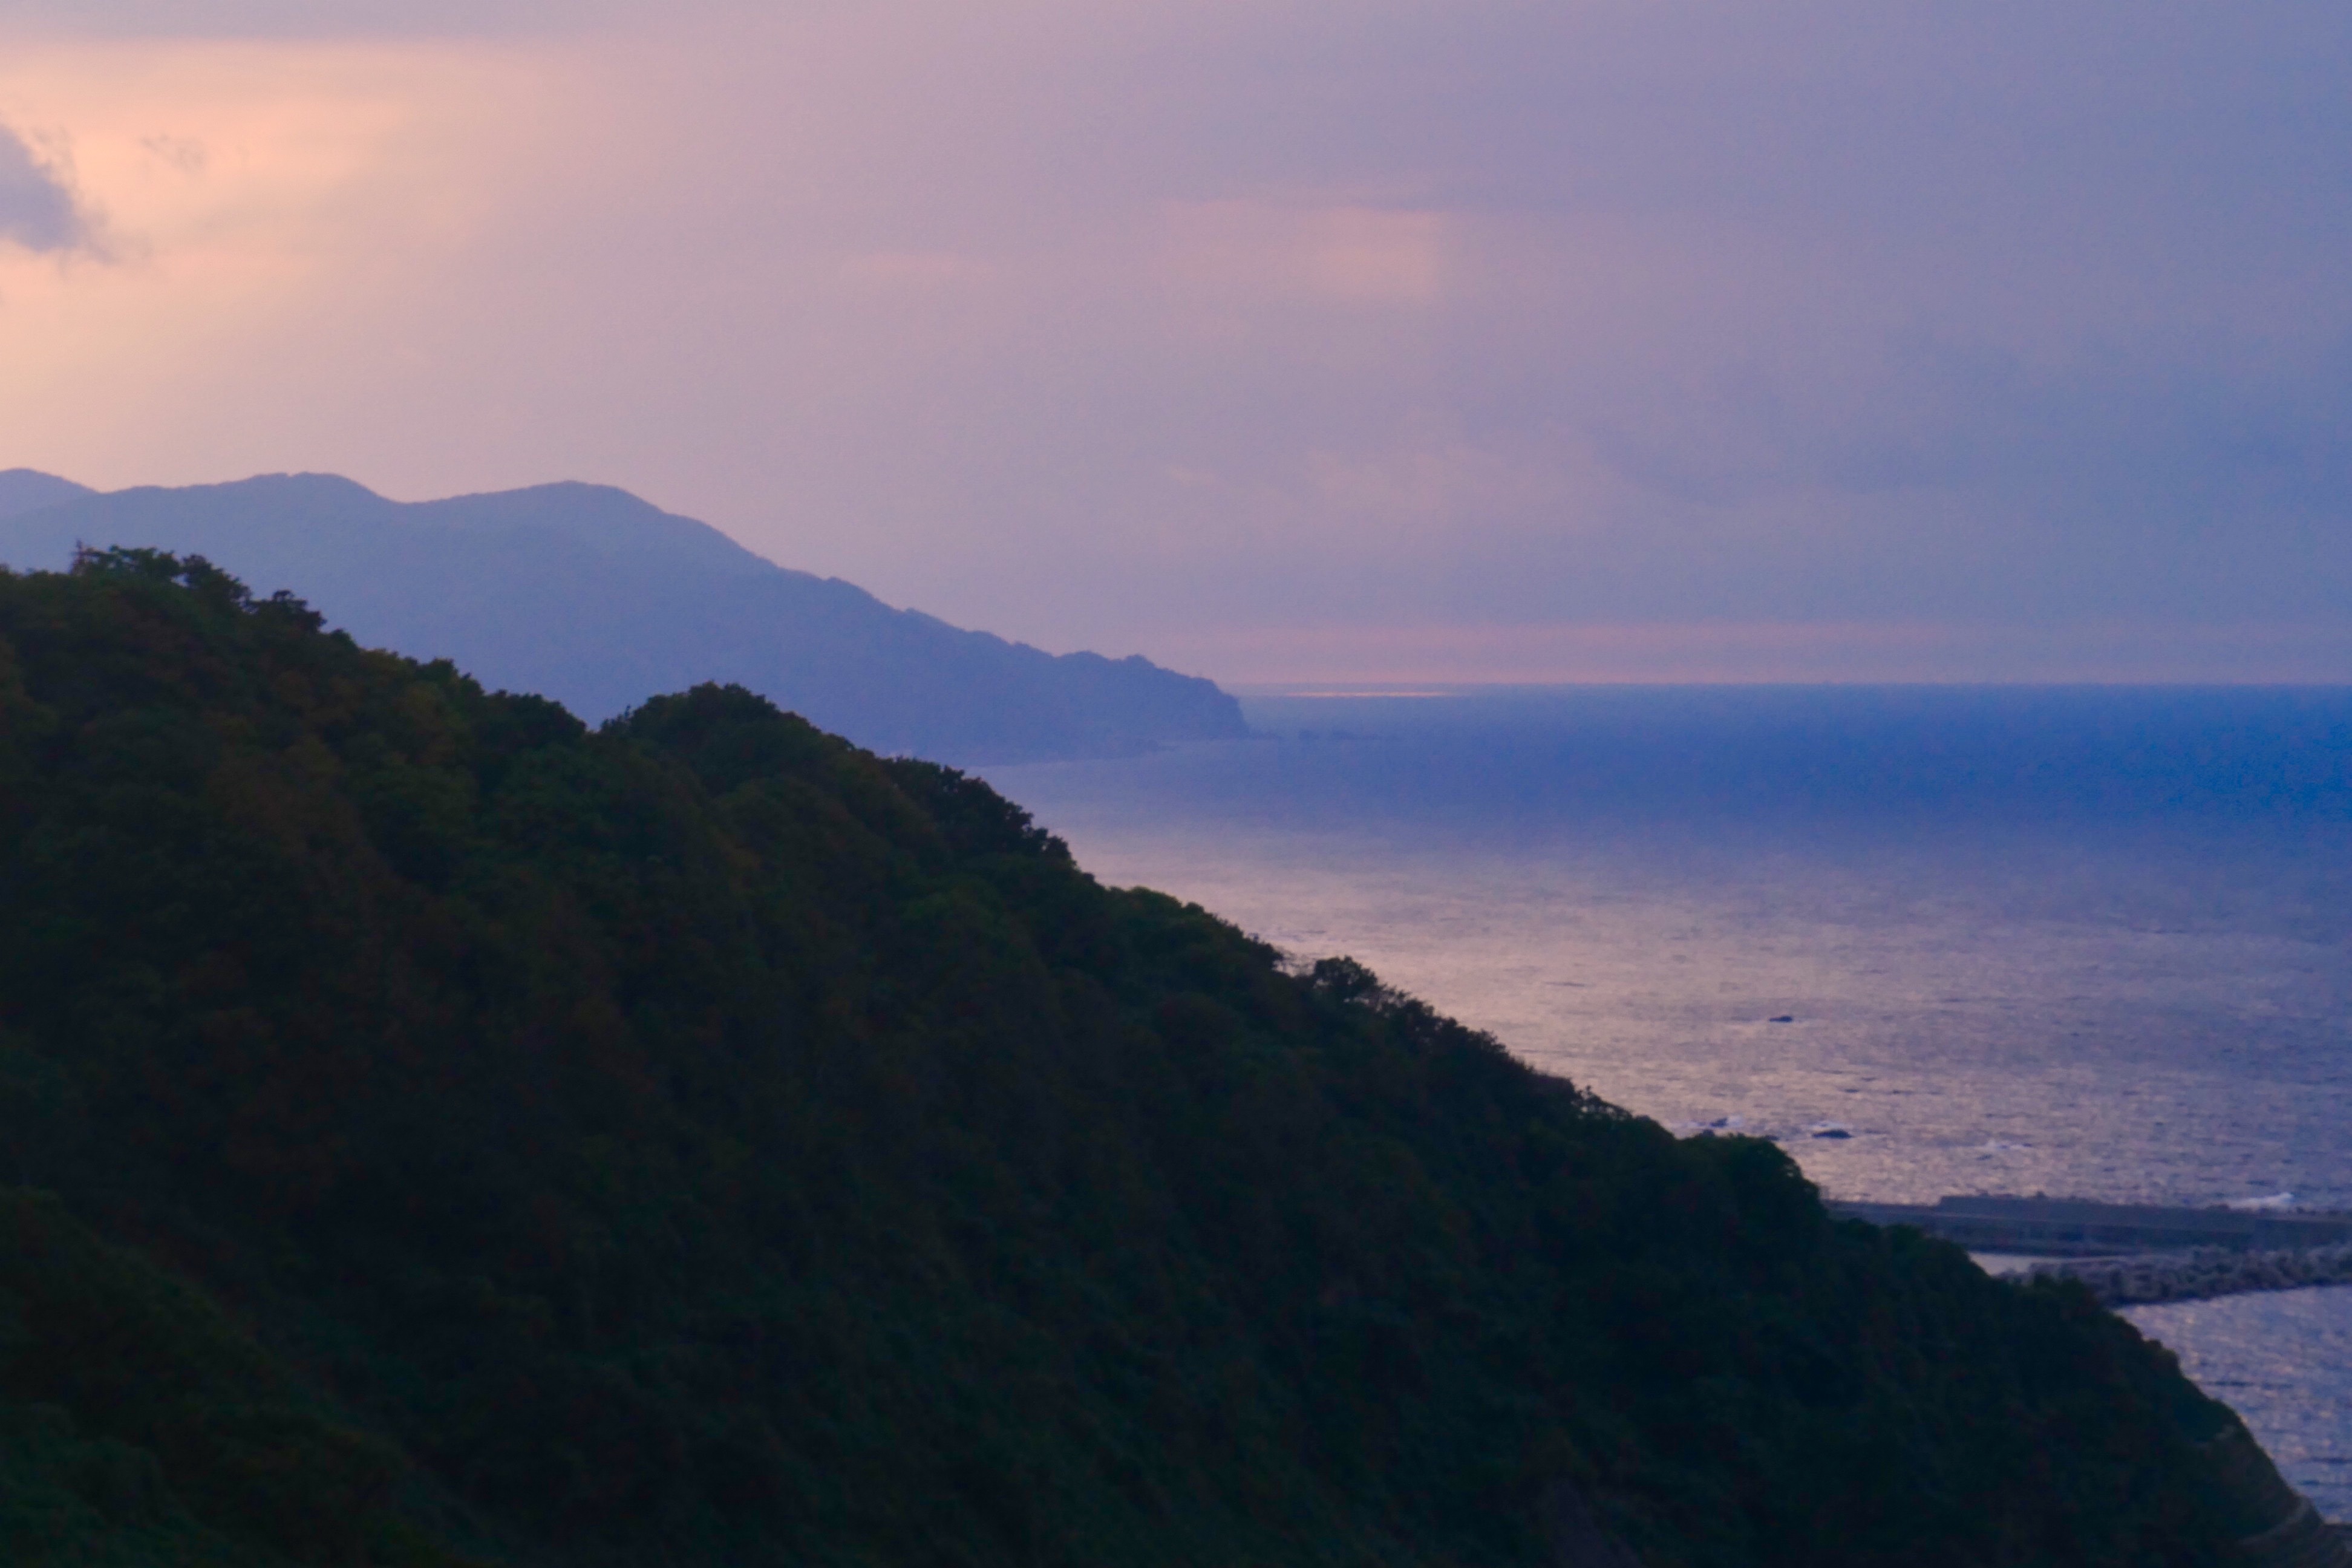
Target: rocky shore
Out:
[2197,1274]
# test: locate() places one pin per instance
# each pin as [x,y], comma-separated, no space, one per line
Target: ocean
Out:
[2089,942]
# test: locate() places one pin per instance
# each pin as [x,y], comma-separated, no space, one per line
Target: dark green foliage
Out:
[700,1142]
[134,1395]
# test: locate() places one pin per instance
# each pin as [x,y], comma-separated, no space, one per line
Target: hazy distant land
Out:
[599,600]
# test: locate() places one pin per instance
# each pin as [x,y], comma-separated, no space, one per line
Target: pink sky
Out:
[1396,341]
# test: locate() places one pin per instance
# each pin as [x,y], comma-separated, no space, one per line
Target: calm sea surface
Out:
[2088,942]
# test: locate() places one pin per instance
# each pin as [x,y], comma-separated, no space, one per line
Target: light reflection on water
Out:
[1961,1049]
[2281,1360]
[2095,944]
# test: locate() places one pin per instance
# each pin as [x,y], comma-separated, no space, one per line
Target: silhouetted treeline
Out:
[444,1133]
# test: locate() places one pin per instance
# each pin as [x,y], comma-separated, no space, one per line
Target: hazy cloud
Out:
[300,19]
[1137,323]
[38,207]
[184,153]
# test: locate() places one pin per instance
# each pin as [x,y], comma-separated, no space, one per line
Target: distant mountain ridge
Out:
[588,594]
[25,489]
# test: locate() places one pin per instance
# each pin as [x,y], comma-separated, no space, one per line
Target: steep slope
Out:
[699,1141]
[591,597]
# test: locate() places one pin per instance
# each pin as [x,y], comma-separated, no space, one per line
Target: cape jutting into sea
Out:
[2091,942]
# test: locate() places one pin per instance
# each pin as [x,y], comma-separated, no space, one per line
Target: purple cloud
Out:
[39,209]
[1140,324]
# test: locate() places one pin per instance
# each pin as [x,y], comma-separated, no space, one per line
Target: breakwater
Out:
[2134,1255]
[2074,1227]
[2199,1275]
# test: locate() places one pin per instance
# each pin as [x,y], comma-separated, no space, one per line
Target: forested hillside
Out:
[441,1133]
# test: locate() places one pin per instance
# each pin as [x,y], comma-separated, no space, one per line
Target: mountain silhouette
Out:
[26,489]
[596,598]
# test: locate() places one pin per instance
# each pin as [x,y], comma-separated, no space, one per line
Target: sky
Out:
[1396,339]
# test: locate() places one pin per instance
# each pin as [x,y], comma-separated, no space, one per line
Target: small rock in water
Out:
[1831,1132]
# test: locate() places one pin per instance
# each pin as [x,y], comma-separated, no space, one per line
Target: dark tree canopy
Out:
[443,1133]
